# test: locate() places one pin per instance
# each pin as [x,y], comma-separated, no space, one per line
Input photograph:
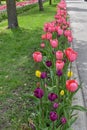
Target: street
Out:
[77,10]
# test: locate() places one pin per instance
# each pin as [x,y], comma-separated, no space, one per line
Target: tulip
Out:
[52,96]
[62,92]
[48,63]
[49,36]
[70,39]
[43,36]
[37,56]
[60,31]
[55,105]
[59,55]
[42,45]
[38,92]
[71,54]
[59,73]
[38,73]
[63,120]
[53,116]
[69,74]
[71,85]
[54,43]
[67,33]
[43,75]
[59,64]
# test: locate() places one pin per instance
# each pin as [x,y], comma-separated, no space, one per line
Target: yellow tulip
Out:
[38,73]
[70,74]
[62,92]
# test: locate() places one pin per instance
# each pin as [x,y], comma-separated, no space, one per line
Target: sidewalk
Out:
[77,10]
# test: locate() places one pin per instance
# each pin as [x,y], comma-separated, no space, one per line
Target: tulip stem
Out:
[57,83]
[70,68]
[53,125]
[42,111]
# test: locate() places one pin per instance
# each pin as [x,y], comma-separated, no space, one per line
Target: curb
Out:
[81,123]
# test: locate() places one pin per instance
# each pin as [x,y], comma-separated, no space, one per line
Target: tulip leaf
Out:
[80,108]
[72,120]
[45,128]
[59,128]
[51,88]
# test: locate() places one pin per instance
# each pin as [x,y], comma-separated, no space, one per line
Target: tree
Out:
[40,2]
[50,2]
[0,2]
[11,12]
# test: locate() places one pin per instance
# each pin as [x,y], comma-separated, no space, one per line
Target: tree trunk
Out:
[40,2]
[50,2]
[11,11]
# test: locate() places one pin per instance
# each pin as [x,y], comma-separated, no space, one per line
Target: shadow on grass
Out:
[48,10]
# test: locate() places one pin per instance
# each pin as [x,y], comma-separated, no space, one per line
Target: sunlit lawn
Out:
[17,68]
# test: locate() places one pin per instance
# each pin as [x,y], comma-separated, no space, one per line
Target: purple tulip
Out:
[38,92]
[64,60]
[59,73]
[53,116]
[49,63]
[43,75]
[55,105]
[63,120]
[52,96]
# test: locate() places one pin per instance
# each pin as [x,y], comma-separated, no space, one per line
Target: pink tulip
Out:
[42,45]
[43,36]
[37,56]
[49,36]
[59,64]
[70,39]
[67,33]
[59,55]
[46,27]
[60,31]
[54,43]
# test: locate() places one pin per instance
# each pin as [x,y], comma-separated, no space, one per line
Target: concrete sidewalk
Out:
[77,10]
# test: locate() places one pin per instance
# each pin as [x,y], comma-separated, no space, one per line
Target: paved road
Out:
[77,10]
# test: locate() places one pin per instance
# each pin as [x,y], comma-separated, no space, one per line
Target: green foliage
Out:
[3,16]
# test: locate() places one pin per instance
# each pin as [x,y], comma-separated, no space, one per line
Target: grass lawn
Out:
[17,68]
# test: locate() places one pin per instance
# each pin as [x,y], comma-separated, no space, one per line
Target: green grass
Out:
[17,67]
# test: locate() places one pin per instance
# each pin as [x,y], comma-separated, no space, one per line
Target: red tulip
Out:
[71,54]
[71,85]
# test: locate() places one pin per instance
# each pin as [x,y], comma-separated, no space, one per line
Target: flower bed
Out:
[53,93]
[19,4]
[3,14]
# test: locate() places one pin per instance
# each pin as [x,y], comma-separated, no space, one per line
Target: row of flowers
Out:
[56,87]
[19,4]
